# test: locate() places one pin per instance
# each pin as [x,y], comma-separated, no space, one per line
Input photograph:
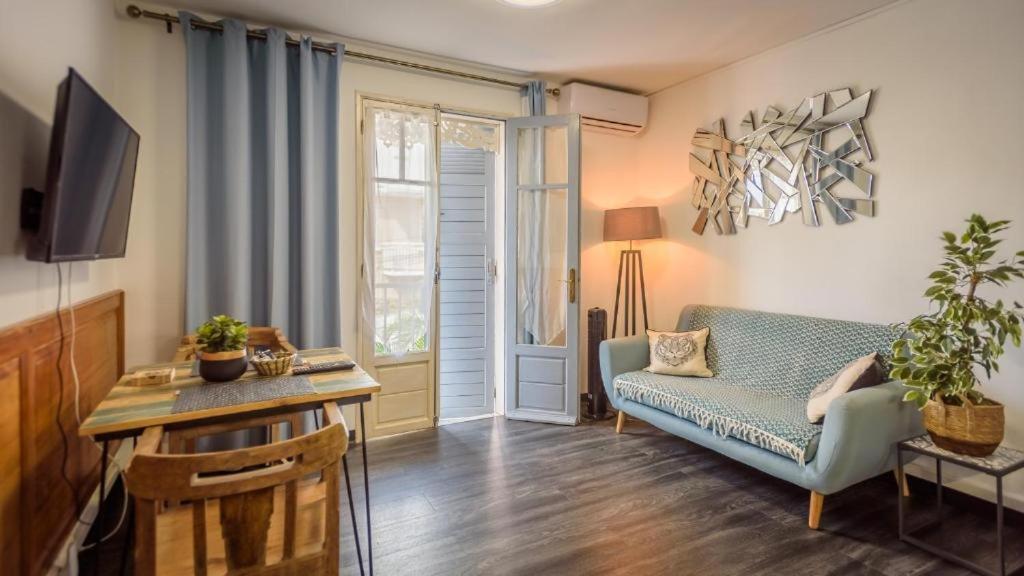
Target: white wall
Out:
[151,94]
[945,126]
[609,181]
[39,40]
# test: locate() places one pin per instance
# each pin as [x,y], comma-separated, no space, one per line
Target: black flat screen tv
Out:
[90,177]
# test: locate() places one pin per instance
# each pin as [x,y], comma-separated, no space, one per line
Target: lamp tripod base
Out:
[631,273]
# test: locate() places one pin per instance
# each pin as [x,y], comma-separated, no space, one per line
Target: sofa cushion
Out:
[782,354]
[678,353]
[863,372]
[769,421]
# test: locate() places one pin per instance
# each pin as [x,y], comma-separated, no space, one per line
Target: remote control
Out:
[315,368]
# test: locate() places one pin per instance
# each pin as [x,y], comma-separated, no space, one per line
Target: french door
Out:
[542,264]
[427,307]
[398,292]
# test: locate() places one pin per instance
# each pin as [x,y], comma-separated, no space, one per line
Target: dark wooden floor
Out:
[502,497]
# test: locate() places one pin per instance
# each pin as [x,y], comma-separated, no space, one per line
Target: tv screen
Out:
[90,178]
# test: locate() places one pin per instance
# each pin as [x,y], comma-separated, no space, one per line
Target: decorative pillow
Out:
[863,372]
[679,353]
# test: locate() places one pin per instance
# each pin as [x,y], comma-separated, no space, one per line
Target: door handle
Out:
[572,285]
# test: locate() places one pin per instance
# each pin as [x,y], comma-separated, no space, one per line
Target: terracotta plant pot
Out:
[222,366]
[971,429]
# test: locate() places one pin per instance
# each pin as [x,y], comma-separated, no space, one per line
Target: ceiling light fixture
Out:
[529,3]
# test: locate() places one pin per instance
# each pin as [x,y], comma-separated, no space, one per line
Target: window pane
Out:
[417,138]
[556,155]
[400,268]
[543,155]
[528,147]
[542,287]
[387,149]
[402,206]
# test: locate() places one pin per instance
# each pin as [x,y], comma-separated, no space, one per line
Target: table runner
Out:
[220,394]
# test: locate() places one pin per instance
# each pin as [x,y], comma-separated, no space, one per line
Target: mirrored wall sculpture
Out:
[795,161]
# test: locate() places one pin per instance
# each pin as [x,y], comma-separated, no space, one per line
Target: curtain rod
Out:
[169,19]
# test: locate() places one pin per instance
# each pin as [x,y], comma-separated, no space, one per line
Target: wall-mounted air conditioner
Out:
[604,110]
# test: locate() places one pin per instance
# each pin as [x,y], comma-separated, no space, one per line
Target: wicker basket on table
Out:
[276,365]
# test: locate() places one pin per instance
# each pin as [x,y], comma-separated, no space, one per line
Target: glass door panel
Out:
[541,268]
[543,156]
[398,292]
[401,207]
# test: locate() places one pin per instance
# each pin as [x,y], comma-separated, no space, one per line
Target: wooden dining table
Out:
[128,409]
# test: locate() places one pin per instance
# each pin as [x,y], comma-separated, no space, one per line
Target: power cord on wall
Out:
[74,334]
[60,399]
[78,414]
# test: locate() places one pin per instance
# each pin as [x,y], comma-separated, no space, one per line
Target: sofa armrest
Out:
[859,436]
[621,355]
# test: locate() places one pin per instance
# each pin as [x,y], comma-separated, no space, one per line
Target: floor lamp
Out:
[630,224]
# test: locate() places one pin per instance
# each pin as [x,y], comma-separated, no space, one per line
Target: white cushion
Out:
[679,353]
[861,373]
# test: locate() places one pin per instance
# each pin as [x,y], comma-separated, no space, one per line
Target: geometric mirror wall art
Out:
[788,163]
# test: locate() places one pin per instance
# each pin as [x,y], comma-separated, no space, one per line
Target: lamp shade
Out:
[640,223]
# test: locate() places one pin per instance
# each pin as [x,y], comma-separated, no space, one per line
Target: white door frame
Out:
[542,359]
[364,347]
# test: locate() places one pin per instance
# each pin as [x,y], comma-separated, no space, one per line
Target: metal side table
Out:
[1001,463]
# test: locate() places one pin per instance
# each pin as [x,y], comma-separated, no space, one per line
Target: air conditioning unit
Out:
[604,110]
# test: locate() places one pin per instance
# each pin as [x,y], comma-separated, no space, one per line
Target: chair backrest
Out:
[243,481]
[259,337]
[782,354]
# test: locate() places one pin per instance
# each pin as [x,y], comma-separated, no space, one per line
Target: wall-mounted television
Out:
[83,212]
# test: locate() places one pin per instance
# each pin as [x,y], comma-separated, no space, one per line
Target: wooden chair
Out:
[241,489]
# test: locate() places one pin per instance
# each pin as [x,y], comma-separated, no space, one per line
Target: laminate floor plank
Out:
[497,497]
[503,497]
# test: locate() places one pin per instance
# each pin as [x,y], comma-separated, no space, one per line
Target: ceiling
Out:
[638,45]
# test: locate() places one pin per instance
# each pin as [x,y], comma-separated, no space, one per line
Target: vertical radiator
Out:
[597,331]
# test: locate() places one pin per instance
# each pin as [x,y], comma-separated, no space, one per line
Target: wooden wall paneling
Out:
[38,512]
[10,463]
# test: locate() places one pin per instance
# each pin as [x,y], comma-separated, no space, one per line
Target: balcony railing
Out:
[398,287]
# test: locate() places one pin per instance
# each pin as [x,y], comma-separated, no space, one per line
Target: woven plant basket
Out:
[971,429]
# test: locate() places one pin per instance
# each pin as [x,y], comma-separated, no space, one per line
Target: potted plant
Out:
[943,352]
[221,343]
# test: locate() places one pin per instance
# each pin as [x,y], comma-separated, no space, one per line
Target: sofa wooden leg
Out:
[620,422]
[902,482]
[817,501]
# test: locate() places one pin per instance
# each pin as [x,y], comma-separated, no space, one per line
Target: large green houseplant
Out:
[944,352]
[221,343]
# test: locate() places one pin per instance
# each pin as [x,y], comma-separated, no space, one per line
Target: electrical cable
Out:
[78,418]
[74,331]
[60,399]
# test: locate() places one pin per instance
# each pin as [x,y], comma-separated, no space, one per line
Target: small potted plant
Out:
[221,343]
[943,352]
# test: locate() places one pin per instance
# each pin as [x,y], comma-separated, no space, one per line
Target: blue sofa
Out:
[754,408]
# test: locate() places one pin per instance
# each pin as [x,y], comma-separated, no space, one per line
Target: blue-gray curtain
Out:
[263,182]
[536,96]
